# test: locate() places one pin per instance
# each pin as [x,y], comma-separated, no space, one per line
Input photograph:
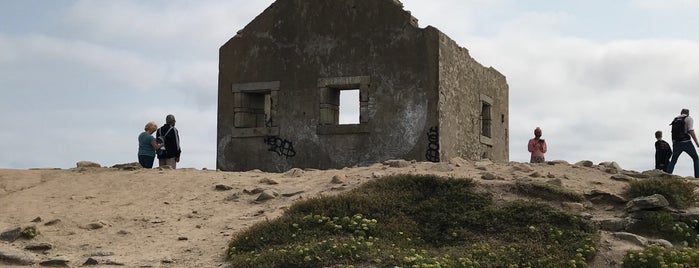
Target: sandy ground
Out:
[178,218]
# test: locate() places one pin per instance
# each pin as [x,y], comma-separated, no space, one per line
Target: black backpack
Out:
[679,131]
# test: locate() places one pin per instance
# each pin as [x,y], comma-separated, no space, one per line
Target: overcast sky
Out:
[79,79]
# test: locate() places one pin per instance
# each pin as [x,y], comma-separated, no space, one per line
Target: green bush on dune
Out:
[416,221]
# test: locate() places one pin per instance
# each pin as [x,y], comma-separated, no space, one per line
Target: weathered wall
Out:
[462,83]
[293,44]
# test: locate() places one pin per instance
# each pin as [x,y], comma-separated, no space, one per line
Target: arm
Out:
[694,137]
[543,147]
[531,145]
[155,145]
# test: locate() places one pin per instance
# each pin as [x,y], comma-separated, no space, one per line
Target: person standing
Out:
[537,146]
[663,152]
[682,136]
[147,145]
[168,135]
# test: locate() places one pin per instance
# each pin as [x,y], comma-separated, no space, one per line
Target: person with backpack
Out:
[663,152]
[169,153]
[682,136]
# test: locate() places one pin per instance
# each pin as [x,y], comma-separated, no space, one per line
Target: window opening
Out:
[486,120]
[349,106]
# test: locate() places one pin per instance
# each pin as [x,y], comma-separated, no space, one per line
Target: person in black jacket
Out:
[663,152]
[169,155]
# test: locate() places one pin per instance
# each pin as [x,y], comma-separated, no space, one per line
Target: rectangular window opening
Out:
[486,120]
[349,106]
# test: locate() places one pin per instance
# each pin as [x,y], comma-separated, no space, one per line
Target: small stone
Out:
[268,181]
[182,238]
[292,194]
[550,176]
[397,163]
[90,261]
[38,246]
[294,173]
[122,232]
[338,179]
[232,197]
[222,187]
[52,222]
[94,226]
[267,195]
[622,177]
[584,163]
[55,263]
[102,254]
[489,176]
[535,174]
[37,219]
[253,191]
[376,175]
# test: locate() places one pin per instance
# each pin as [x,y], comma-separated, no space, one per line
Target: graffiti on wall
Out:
[432,154]
[280,146]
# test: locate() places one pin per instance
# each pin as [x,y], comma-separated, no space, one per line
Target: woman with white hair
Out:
[147,145]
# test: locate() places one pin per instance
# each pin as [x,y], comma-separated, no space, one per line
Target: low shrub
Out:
[679,192]
[416,221]
[656,256]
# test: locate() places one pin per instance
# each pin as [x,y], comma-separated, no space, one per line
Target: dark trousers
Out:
[146,161]
[677,149]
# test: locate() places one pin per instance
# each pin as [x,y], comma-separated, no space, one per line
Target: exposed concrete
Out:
[420,93]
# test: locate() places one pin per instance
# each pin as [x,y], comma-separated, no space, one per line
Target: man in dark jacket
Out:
[169,135]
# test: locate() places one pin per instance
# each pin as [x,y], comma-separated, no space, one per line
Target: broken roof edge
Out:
[448,40]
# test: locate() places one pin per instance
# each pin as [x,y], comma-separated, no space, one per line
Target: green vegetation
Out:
[658,257]
[548,191]
[29,232]
[679,192]
[416,221]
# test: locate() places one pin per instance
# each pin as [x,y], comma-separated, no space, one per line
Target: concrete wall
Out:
[464,84]
[294,52]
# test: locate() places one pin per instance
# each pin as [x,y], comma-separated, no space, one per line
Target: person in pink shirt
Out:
[537,146]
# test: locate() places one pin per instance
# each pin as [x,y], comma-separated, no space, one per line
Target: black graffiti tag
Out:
[432,154]
[280,146]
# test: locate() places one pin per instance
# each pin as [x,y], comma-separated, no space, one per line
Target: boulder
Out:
[622,177]
[268,181]
[602,197]
[12,234]
[633,238]
[584,163]
[267,195]
[294,173]
[12,256]
[655,201]
[338,179]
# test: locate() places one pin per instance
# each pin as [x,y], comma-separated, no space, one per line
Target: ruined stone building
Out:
[421,96]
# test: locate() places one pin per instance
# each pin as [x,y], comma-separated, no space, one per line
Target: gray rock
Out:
[223,187]
[90,261]
[601,197]
[37,219]
[12,234]
[584,163]
[489,176]
[338,179]
[268,181]
[52,222]
[57,262]
[522,167]
[655,201]
[558,162]
[655,173]
[267,195]
[376,175]
[38,246]
[12,256]
[253,191]
[294,173]
[573,207]
[633,238]
[87,164]
[397,163]
[622,177]
[128,166]
[535,174]
[93,226]
[293,193]
[662,242]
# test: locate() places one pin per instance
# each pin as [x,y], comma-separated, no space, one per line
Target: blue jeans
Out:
[677,149]
[146,161]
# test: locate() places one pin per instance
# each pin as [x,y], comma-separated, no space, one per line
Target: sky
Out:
[80,79]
